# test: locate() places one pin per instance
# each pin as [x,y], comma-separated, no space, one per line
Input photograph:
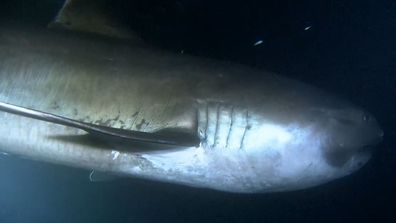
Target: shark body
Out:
[251,131]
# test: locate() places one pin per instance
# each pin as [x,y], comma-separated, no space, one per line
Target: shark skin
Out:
[257,131]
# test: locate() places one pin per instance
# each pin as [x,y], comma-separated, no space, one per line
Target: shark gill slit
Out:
[247,127]
[206,121]
[230,128]
[216,133]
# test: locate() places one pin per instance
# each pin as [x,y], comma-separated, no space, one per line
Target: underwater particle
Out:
[91,176]
[307,25]
[181,51]
[258,42]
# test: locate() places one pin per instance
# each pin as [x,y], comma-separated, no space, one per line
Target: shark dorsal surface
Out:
[91,16]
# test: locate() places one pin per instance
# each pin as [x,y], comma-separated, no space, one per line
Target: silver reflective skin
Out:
[259,132]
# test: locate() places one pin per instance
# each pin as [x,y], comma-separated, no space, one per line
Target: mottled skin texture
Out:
[259,132]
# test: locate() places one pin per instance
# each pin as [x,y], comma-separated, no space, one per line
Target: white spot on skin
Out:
[178,160]
[115,154]
[258,43]
[136,169]
[268,134]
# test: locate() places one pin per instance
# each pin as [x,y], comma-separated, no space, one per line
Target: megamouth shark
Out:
[88,93]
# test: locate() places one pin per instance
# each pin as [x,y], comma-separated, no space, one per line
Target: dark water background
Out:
[349,49]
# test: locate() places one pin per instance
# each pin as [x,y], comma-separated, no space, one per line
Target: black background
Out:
[349,50]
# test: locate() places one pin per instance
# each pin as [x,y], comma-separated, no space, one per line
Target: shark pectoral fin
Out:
[91,16]
[108,134]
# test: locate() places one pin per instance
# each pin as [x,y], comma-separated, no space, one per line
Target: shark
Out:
[87,92]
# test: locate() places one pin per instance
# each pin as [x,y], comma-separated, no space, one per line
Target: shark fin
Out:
[108,134]
[91,16]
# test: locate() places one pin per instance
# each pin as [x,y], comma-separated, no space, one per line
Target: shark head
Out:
[352,135]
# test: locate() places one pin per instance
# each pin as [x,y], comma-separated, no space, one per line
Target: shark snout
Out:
[351,133]
[371,132]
